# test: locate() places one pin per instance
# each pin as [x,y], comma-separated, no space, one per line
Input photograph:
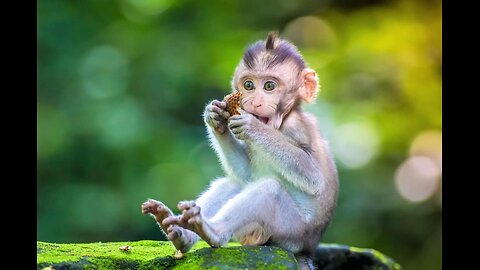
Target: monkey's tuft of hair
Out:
[277,51]
[233,102]
[271,41]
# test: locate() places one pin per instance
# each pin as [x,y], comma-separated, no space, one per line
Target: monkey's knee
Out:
[266,186]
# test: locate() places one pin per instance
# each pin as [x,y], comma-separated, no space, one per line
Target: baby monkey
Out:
[281,182]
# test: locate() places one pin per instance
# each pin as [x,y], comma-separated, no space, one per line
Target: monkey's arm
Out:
[229,150]
[232,155]
[288,157]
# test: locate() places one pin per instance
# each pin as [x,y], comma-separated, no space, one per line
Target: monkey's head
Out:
[273,79]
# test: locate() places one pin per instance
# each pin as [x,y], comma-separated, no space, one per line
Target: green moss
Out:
[159,255]
[149,254]
[378,256]
[233,257]
[141,251]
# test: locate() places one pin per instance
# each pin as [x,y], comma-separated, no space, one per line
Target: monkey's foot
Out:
[191,219]
[156,209]
[181,238]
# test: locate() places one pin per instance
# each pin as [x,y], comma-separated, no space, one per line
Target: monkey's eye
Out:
[270,85]
[248,85]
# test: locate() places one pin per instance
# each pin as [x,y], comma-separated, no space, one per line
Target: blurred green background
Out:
[122,86]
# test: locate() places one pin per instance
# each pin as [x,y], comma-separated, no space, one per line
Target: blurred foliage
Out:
[122,85]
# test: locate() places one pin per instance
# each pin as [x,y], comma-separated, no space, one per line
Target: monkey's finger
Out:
[236,117]
[242,111]
[213,119]
[225,114]
[217,117]
[221,104]
[236,131]
[216,109]
[235,123]
[220,112]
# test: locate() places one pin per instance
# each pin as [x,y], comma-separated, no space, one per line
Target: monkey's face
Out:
[261,96]
[262,91]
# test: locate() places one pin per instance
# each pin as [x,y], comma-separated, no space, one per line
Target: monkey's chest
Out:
[262,167]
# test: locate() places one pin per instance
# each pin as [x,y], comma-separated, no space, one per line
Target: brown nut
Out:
[125,248]
[233,102]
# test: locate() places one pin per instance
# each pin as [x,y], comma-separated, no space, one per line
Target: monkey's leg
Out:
[219,192]
[211,200]
[264,202]
[181,238]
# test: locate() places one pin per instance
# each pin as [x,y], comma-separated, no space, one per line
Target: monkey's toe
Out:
[190,212]
[171,220]
[174,233]
[196,220]
[186,205]
[146,210]
[155,208]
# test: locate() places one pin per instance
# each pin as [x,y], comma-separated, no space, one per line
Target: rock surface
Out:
[149,254]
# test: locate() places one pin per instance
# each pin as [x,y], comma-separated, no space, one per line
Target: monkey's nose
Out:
[256,105]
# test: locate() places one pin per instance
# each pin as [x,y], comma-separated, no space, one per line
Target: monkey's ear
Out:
[310,85]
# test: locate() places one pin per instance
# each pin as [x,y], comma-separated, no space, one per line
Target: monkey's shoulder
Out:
[301,128]
[298,118]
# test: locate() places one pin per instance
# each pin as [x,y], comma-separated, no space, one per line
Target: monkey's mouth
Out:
[262,119]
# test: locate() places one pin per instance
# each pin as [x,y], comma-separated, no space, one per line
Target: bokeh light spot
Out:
[121,123]
[143,11]
[310,32]
[355,144]
[417,178]
[428,143]
[150,7]
[104,72]
[314,37]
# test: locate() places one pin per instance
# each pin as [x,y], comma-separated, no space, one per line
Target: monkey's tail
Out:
[305,261]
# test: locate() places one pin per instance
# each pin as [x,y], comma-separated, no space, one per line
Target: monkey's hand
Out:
[243,125]
[215,116]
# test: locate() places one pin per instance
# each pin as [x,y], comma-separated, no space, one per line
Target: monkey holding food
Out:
[281,182]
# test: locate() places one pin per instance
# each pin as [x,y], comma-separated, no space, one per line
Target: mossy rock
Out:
[149,254]
[341,257]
